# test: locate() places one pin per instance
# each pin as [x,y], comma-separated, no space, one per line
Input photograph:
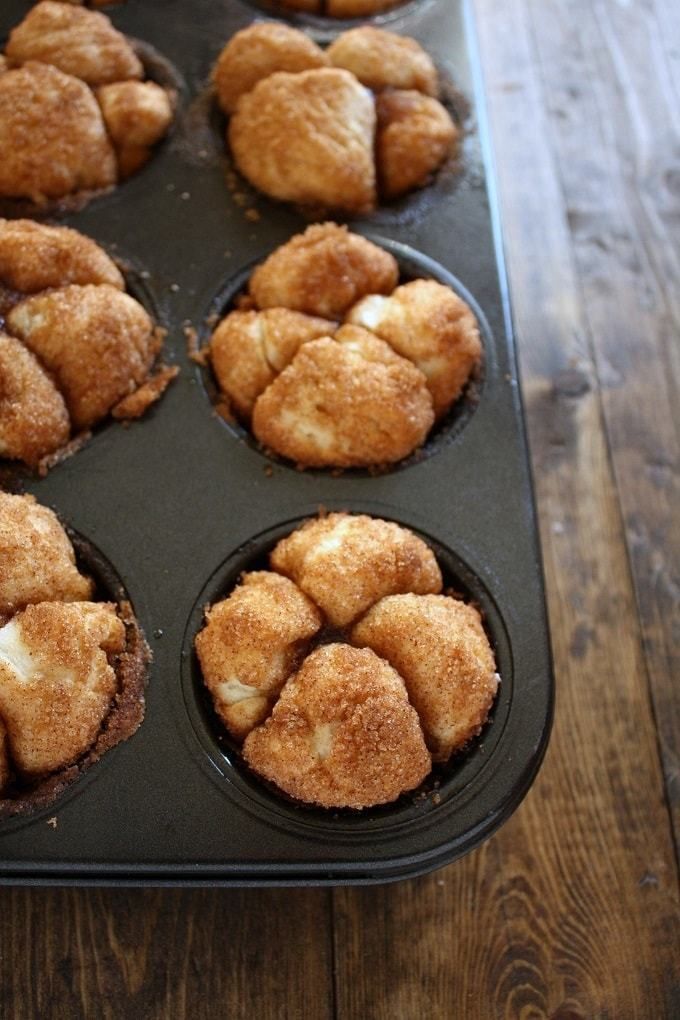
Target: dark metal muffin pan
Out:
[180,502]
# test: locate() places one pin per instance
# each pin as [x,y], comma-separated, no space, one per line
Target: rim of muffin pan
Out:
[138,287]
[444,790]
[412,265]
[158,69]
[324,27]
[32,800]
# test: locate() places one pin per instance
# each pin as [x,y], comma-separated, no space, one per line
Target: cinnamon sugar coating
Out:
[34,256]
[34,421]
[439,647]
[381,59]
[415,135]
[137,113]
[250,645]
[52,135]
[430,325]
[323,271]
[345,563]
[308,138]
[347,401]
[38,561]
[57,681]
[98,342]
[342,733]
[256,52]
[79,42]
[249,349]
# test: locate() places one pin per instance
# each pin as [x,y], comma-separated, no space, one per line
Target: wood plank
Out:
[617,142]
[68,954]
[572,909]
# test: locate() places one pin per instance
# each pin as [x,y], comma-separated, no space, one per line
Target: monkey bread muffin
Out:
[344,671]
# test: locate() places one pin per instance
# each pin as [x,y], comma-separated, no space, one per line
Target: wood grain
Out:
[161,954]
[572,909]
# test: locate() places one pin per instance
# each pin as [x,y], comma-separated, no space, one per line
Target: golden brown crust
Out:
[345,563]
[430,325]
[249,349]
[152,389]
[256,52]
[56,682]
[415,135]
[38,561]
[323,271]
[345,402]
[34,257]
[79,42]
[381,59]
[251,644]
[98,342]
[137,113]
[52,136]
[342,733]
[34,421]
[439,647]
[308,138]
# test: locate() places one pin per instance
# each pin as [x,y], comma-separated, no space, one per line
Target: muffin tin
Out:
[180,502]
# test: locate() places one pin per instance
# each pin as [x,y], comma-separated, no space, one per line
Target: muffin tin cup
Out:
[179,502]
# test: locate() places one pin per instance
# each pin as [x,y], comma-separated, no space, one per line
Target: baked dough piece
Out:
[33,417]
[38,562]
[77,41]
[323,271]
[382,60]
[136,113]
[342,733]
[345,402]
[433,327]
[56,680]
[308,138]
[415,135]
[439,647]
[345,563]
[249,349]
[34,257]
[258,51]
[52,135]
[251,644]
[98,342]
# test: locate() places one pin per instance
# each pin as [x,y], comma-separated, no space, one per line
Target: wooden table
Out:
[571,910]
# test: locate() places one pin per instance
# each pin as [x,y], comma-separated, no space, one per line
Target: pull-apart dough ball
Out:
[308,138]
[258,51]
[439,647]
[249,349]
[52,135]
[345,563]
[34,257]
[382,60]
[251,644]
[77,41]
[56,681]
[433,327]
[415,135]
[136,113]
[98,342]
[345,402]
[342,733]
[38,561]
[323,271]
[33,417]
